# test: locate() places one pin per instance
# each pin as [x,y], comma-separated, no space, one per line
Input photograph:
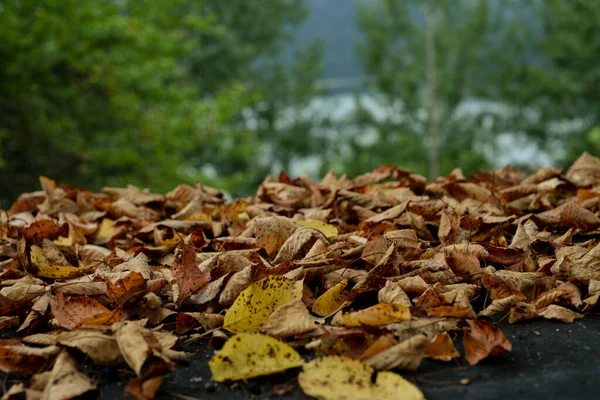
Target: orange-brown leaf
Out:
[484,339]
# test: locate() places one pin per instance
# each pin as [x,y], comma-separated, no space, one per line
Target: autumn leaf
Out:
[289,320]
[441,348]
[272,232]
[247,355]
[483,339]
[335,378]
[25,360]
[328,230]
[333,300]
[65,381]
[379,314]
[106,231]
[43,268]
[81,310]
[254,305]
[405,355]
[189,277]
[100,348]
[133,345]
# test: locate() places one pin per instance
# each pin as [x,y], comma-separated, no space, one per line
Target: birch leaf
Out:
[332,300]
[341,378]
[255,304]
[379,314]
[441,348]
[43,268]
[247,355]
[483,339]
[65,381]
[133,345]
[328,230]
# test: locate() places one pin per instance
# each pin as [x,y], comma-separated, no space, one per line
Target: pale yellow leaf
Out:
[379,314]
[247,355]
[332,300]
[45,270]
[341,378]
[106,231]
[255,304]
[328,230]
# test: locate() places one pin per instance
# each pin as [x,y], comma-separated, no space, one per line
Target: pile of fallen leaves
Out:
[371,274]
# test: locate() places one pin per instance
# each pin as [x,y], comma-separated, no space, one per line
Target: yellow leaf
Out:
[106,231]
[167,237]
[326,229]
[199,217]
[379,314]
[247,355]
[335,378]
[45,270]
[332,300]
[255,304]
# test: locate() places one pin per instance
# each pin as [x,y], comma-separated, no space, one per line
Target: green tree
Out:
[146,92]
[95,93]
[426,58]
[250,45]
[554,74]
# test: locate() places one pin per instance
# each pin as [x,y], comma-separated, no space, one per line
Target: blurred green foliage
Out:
[551,73]
[143,92]
[156,93]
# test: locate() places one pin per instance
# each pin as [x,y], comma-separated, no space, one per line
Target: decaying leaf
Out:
[405,355]
[483,339]
[188,275]
[45,269]
[289,320]
[337,378]
[117,278]
[133,345]
[254,305]
[328,230]
[65,381]
[333,300]
[71,312]
[100,348]
[246,355]
[441,348]
[379,314]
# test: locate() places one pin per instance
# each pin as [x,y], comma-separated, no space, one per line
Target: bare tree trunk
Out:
[433,123]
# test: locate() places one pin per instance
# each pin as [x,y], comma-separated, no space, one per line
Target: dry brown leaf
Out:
[65,381]
[25,360]
[101,349]
[483,339]
[289,320]
[392,293]
[133,345]
[441,348]
[405,355]
[272,232]
[189,278]
[557,312]
[81,310]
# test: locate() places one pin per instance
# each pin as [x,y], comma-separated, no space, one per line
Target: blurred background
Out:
[161,92]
